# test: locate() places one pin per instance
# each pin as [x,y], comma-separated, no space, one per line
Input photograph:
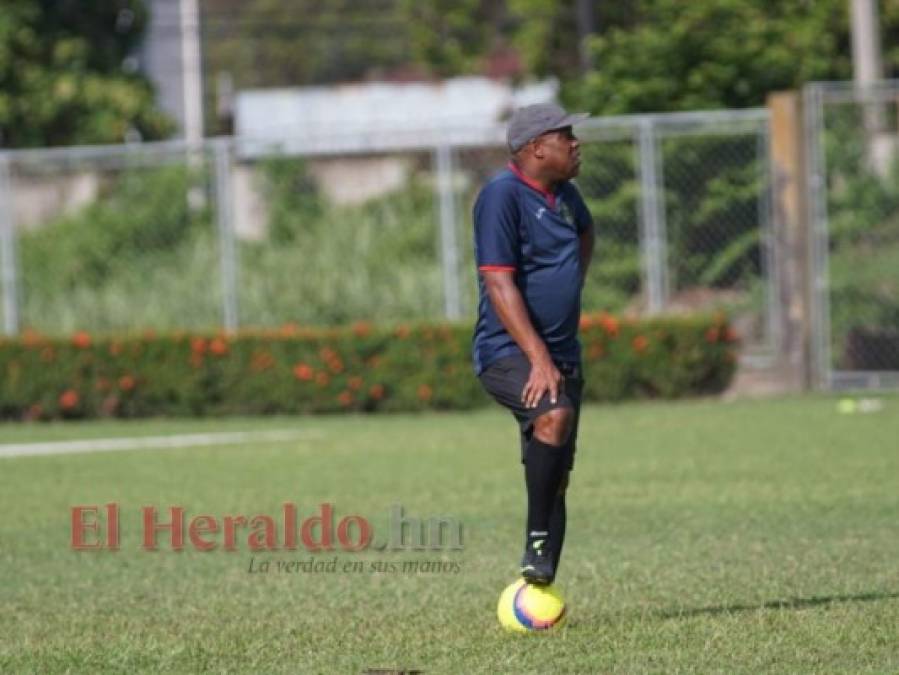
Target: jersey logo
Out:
[540,212]
[566,213]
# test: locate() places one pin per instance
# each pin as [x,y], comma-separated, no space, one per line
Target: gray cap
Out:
[529,122]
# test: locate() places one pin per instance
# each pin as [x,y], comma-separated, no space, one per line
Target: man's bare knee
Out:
[554,426]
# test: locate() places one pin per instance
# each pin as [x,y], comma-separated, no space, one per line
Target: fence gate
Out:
[853,182]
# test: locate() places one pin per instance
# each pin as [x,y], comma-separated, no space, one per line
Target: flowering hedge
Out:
[355,368]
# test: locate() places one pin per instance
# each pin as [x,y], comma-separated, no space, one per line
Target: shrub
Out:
[360,367]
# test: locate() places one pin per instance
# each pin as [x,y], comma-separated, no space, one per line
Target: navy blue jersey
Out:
[518,226]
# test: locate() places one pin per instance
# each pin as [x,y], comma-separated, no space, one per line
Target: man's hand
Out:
[544,378]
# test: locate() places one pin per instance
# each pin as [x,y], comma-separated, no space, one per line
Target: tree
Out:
[674,55]
[64,74]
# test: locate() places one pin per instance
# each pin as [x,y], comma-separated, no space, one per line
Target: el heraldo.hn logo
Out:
[96,528]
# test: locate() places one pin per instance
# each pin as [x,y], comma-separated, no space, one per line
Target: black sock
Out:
[545,466]
[557,523]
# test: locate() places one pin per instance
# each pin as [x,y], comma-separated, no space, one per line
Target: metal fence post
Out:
[770,269]
[449,252]
[652,218]
[224,216]
[818,238]
[8,268]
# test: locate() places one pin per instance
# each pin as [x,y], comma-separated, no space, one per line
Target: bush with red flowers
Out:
[363,367]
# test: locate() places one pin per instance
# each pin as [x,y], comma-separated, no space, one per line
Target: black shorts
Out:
[504,380]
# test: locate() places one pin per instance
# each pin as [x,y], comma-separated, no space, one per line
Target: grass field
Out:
[741,538]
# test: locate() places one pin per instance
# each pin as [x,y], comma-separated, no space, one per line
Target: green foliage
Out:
[356,368]
[449,37]
[61,76]
[672,55]
[712,191]
[648,55]
[270,43]
[609,185]
[291,195]
[547,35]
[143,213]
[863,230]
[139,255]
[328,264]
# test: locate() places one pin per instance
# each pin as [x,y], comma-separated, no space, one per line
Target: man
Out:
[533,240]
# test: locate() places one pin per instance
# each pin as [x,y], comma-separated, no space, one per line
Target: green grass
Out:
[703,537]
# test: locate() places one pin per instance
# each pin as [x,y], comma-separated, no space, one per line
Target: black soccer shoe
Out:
[537,563]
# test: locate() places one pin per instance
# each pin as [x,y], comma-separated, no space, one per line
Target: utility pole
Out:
[867,69]
[867,62]
[191,77]
[585,28]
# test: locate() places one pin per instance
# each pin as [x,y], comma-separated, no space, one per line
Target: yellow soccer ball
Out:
[526,608]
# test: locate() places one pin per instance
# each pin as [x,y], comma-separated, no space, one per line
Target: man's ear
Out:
[538,148]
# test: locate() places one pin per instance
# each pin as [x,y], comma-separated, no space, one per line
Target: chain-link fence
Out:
[108,239]
[241,233]
[854,195]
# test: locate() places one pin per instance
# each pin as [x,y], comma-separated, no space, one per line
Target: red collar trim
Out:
[534,185]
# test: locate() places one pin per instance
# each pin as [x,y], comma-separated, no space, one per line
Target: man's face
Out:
[560,152]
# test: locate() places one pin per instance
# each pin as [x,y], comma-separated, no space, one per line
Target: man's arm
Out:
[510,308]
[587,240]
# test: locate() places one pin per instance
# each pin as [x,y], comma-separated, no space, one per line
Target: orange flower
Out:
[425,392]
[322,379]
[289,329]
[730,335]
[218,346]
[68,399]
[373,361]
[640,343]
[198,345]
[585,322]
[31,338]
[335,365]
[355,383]
[126,383]
[261,361]
[115,348]
[345,398]
[303,372]
[81,340]
[711,335]
[361,328]
[595,351]
[402,331]
[102,384]
[609,324]
[376,391]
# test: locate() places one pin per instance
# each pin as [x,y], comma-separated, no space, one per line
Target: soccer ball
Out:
[526,608]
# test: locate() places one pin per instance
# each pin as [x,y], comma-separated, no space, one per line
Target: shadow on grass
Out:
[792,603]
